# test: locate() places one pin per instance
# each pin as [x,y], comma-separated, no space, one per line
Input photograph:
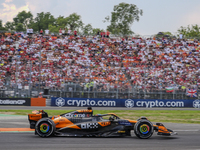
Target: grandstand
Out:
[95,67]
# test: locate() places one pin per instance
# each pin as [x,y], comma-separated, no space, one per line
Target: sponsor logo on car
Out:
[129,103]
[60,102]
[121,132]
[89,125]
[74,115]
[196,103]
[126,123]
[103,124]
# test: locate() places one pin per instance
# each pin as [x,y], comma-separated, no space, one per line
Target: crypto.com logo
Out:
[60,102]
[196,103]
[129,103]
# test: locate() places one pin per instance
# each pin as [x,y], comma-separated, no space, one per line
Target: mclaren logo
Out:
[196,103]
[129,103]
[60,102]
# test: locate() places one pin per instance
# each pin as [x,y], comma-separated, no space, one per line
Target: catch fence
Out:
[78,91]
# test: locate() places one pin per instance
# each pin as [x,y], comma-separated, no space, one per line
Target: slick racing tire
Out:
[45,127]
[143,129]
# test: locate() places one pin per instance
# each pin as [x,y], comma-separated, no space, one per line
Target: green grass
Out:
[173,116]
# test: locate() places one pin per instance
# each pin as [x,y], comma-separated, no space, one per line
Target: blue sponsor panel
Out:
[129,103]
[149,103]
[85,102]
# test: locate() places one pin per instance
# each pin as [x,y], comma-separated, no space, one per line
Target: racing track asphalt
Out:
[188,138]
[26,141]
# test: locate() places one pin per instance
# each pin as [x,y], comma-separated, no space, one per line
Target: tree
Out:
[1,25]
[19,27]
[122,18]
[9,26]
[42,21]
[192,31]
[74,22]
[87,29]
[95,30]
[61,22]
[24,18]
[164,34]
[53,28]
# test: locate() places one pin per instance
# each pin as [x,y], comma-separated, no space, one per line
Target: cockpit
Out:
[109,116]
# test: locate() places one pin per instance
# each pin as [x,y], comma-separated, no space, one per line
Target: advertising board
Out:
[129,103]
[15,101]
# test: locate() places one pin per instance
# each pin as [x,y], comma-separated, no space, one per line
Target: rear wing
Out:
[35,116]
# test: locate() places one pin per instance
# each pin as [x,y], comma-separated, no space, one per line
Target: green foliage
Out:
[9,26]
[24,18]
[95,30]
[122,18]
[165,34]
[19,27]
[87,29]
[192,31]
[74,22]
[53,29]
[1,25]
[61,22]
[168,33]
[42,21]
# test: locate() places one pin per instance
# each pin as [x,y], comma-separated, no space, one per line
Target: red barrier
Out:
[38,101]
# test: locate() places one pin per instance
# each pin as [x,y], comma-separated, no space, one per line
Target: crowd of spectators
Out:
[98,63]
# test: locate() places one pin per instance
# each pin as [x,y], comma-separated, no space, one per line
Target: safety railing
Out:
[77,91]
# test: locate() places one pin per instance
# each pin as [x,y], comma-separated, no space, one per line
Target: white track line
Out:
[187,130]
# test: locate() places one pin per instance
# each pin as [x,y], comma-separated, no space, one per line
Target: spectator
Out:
[60,31]
[107,63]
[41,32]
[40,95]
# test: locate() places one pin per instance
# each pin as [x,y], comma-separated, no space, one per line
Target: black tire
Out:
[143,129]
[45,127]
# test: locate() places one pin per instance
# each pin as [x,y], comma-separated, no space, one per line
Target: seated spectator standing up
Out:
[101,34]
[104,34]
[69,32]
[75,33]
[107,34]
[47,32]
[98,33]
[63,31]
[41,32]
[28,31]
[40,95]
[60,31]
[31,31]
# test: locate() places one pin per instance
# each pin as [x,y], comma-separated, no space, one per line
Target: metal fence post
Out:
[30,63]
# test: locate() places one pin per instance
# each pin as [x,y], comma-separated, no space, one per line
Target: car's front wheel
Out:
[45,127]
[143,129]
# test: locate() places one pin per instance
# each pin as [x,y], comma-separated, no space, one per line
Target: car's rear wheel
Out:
[45,127]
[143,129]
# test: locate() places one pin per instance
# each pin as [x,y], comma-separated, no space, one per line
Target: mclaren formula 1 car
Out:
[84,123]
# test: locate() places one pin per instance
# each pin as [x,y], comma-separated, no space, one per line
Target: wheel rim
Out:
[44,128]
[144,129]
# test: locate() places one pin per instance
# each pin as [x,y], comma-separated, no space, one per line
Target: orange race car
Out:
[84,123]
